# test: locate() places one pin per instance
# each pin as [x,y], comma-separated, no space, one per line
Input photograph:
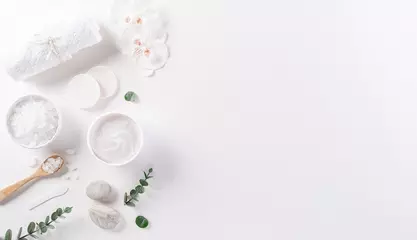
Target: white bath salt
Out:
[70,151]
[51,165]
[33,162]
[33,121]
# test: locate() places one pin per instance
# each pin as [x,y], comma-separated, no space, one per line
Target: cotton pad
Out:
[106,79]
[84,91]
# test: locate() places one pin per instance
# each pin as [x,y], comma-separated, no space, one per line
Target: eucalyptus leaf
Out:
[133,193]
[8,235]
[31,227]
[142,222]
[150,170]
[42,227]
[19,233]
[59,211]
[34,236]
[143,182]
[47,219]
[140,189]
[125,198]
[146,175]
[130,204]
[68,209]
[54,216]
[50,226]
[130,96]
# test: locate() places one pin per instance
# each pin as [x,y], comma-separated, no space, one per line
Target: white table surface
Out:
[292,120]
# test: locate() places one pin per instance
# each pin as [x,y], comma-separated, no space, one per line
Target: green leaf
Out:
[125,198]
[150,170]
[130,204]
[19,233]
[142,222]
[133,193]
[47,220]
[146,175]
[42,227]
[130,96]
[143,182]
[140,189]
[50,226]
[54,216]
[31,227]
[8,235]
[34,236]
[68,209]
[59,211]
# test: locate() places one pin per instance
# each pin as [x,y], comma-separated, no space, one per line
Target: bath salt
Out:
[51,165]
[33,121]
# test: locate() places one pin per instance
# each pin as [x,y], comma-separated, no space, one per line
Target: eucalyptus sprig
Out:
[139,189]
[40,227]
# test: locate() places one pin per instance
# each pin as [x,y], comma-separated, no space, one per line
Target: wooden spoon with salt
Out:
[44,170]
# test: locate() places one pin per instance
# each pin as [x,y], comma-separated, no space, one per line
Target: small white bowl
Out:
[24,98]
[96,123]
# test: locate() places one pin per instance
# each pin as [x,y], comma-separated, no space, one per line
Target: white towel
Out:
[48,50]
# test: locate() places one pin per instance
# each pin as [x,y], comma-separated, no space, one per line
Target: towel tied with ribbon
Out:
[48,51]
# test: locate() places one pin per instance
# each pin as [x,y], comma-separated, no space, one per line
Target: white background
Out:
[272,120]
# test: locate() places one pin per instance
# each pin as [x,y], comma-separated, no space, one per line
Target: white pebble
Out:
[99,191]
[104,217]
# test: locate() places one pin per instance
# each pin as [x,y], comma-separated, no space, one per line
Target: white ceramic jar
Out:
[115,139]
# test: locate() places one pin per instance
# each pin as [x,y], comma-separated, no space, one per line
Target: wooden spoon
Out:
[4,193]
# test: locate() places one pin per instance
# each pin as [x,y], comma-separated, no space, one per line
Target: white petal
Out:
[147,72]
[158,57]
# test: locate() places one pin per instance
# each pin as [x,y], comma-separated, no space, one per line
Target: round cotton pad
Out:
[106,79]
[84,91]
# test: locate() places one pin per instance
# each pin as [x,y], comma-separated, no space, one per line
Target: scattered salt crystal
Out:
[70,151]
[33,162]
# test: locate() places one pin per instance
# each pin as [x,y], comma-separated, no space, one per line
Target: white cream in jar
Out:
[115,139]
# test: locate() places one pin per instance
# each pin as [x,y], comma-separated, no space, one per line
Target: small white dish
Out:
[97,129]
